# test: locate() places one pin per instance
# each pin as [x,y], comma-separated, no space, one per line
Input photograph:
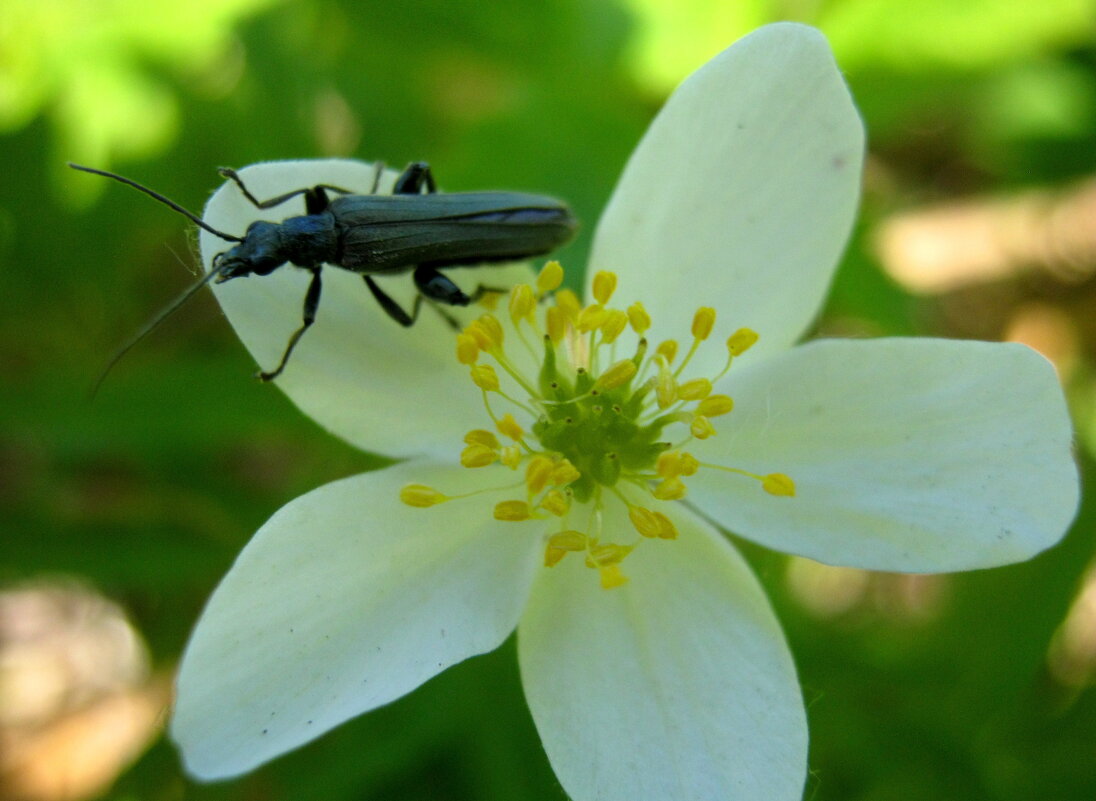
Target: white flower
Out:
[896,454]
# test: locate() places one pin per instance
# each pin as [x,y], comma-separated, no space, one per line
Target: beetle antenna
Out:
[166,312]
[194,218]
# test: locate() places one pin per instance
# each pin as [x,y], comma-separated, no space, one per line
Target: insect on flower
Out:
[373,234]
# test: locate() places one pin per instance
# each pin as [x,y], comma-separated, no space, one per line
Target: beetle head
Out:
[260,253]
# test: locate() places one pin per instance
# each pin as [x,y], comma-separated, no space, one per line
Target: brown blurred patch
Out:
[77,701]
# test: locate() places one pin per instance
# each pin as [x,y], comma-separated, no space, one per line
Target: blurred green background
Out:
[979,220]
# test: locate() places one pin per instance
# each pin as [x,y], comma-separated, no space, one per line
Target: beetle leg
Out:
[437,286]
[391,308]
[378,171]
[414,178]
[315,198]
[311,303]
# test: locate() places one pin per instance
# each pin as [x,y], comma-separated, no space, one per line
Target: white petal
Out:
[345,600]
[909,455]
[741,194]
[356,371]
[677,685]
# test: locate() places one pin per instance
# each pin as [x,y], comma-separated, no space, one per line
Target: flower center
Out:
[595,430]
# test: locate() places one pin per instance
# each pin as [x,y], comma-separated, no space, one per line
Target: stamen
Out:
[741,341]
[715,405]
[667,350]
[538,473]
[509,427]
[616,376]
[559,545]
[421,496]
[556,323]
[556,503]
[604,285]
[703,321]
[591,318]
[644,521]
[670,489]
[477,455]
[564,473]
[611,577]
[569,302]
[513,511]
[778,484]
[638,317]
[549,278]
[523,303]
[468,349]
[614,325]
[666,386]
[695,389]
[701,427]
[481,437]
[485,377]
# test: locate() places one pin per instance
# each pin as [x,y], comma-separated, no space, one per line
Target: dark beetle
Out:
[407,231]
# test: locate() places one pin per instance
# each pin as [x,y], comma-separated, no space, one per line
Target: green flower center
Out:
[594,431]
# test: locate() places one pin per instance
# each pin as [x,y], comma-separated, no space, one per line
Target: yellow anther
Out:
[550,277]
[490,299]
[478,456]
[523,303]
[478,436]
[607,554]
[562,543]
[556,503]
[538,473]
[669,464]
[741,341]
[604,285]
[479,334]
[468,349]
[638,317]
[564,473]
[715,405]
[665,388]
[689,464]
[612,577]
[614,324]
[667,350]
[701,427]
[484,377]
[695,389]
[703,321]
[644,520]
[509,427]
[666,528]
[421,496]
[616,376]
[556,322]
[569,302]
[553,556]
[778,484]
[592,317]
[670,489]
[511,456]
[513,511]
[493,328]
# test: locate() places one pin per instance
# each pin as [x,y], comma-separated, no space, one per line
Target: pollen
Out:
[594,420]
